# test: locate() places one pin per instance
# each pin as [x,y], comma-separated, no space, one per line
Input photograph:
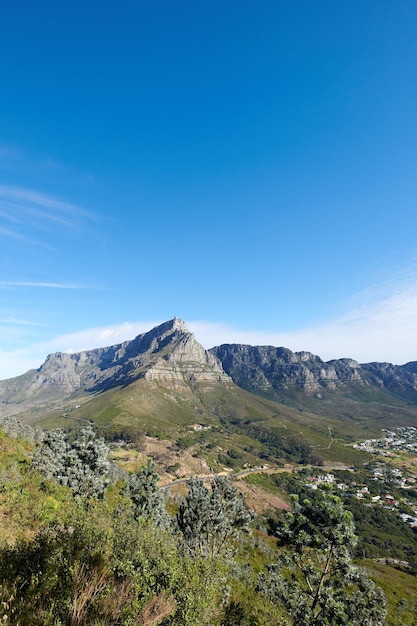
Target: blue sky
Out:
[247,166]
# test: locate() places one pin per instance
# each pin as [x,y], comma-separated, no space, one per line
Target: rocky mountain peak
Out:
[168,354]
[176,325]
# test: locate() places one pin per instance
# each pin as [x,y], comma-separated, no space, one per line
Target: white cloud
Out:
[14,234]
[29,199]
[383,329]
[18,361]
[28,213]
[16,283]
[15,321]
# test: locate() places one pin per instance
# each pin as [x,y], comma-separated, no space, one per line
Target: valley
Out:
[272,421]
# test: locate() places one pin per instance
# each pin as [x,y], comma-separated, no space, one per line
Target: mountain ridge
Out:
[169,359]
[168,352]
[260,369]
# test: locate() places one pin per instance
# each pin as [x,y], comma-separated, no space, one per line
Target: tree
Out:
[211,522]
[147,499]
[315,577]
[50,455]
[15,429]
[82,465]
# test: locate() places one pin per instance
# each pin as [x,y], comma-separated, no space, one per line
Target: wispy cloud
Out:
[25,213]
[35,198]
[15,234]
[42,285]
[13,321]
[12,212]
[383,327]
[14,362]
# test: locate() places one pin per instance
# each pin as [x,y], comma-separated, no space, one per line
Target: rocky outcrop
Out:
[395,378]
[184,360]
[265,369]
[168,353]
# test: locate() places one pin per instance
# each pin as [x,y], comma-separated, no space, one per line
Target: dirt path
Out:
[266,470]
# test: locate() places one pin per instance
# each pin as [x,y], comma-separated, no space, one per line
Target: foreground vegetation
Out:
[84,543]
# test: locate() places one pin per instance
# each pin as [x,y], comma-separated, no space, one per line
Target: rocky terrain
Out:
[168,353]
[270,370]
[166,374]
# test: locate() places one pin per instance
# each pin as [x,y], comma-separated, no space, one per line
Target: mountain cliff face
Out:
[168,353]
[168,356]
[265,369]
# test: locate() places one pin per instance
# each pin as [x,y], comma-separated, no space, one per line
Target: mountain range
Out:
[163,382]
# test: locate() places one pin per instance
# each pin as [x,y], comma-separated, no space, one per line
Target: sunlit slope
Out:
[238,405]
[211,416]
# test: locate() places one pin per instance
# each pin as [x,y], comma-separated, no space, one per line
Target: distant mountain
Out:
[236,403]
[168,353]
[274,372]
[171,355]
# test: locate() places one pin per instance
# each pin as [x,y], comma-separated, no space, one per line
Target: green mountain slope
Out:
[233,406]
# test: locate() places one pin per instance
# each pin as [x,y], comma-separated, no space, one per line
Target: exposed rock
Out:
[167,353]
[170,356]
[265,368]
[399,378]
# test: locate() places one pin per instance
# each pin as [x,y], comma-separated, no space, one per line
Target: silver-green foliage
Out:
[82,465]
[211,522]
[314,576]
[147,498]
[15,429]
[101,567]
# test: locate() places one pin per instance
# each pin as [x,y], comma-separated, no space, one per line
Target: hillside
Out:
[168,353]
[57,544]
[231,406]
[278,373]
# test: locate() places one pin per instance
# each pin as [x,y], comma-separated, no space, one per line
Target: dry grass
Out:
[165,455]
[88,587]
[159,607]
[260,500]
